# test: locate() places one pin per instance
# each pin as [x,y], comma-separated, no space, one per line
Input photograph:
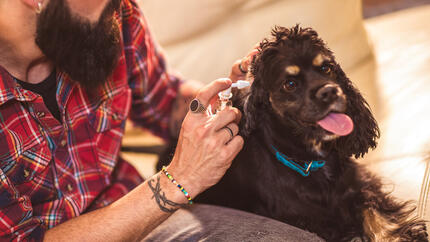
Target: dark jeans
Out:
[212,223]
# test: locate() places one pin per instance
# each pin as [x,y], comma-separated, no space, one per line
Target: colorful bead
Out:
[164,169]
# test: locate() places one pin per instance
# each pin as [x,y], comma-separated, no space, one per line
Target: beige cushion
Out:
[402,46]
[203,38]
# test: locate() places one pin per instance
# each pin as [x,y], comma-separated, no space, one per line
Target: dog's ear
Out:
[256,99]
[366,130]
[252,110]
[257,102]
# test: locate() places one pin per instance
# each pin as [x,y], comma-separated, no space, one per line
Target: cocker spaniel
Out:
[302,122]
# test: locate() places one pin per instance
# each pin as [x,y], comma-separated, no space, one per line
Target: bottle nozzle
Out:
[241,84]
[226,94]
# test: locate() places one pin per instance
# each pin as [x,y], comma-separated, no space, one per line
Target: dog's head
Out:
[297,79]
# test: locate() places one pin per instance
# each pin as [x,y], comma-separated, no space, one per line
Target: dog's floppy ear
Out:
[366,130]
[263,71]
[252,110]
[257,102]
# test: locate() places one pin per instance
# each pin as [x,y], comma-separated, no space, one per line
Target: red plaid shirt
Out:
[51,172]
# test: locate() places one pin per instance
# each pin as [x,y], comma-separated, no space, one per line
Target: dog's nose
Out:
[328,93]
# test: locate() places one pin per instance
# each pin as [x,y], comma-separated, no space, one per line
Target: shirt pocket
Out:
[23,157]
[112,112]
[108,122]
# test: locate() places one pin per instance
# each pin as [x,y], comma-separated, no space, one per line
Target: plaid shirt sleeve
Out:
[153,88]
[29,202]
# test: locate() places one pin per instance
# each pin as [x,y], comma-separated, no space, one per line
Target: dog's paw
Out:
[417,232]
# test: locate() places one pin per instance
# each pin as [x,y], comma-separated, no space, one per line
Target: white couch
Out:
[203,38]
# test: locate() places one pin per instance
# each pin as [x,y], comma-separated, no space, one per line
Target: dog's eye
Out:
[325,69]
[290,85]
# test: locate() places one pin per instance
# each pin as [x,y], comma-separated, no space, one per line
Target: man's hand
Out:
[204,153]
[187,92]
[206,148]
[188,89]
[241,67]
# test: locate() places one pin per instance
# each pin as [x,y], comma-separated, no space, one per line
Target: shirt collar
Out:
[9,89]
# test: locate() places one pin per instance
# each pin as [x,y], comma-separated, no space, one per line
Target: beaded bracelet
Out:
[164,169]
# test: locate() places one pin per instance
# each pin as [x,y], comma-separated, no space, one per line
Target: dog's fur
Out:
[340,201]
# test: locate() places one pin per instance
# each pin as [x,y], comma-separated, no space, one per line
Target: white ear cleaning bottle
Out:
[226,95]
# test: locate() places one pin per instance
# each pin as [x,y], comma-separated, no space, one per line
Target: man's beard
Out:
[87,52]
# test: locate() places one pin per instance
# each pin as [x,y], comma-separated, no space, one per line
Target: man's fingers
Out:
[238,115]
[235,70]
[228,132]
[244,63]
[253,52]
[234,146]
[212,89]
[250,56]
[226,116]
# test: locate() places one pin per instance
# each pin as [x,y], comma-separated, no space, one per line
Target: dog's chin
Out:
[318,134]
[314,135]
[329,136]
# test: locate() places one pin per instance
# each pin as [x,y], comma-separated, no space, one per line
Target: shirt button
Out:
[26,173]
[40,114]
[69,187]
[26,204]
[63,142]
[115,116]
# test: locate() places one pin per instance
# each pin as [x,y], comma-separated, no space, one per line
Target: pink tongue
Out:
[337,123]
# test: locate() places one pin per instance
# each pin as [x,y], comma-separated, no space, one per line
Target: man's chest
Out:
[66,162]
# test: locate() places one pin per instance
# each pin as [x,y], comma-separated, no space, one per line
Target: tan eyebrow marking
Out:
[292,70]
[319,60]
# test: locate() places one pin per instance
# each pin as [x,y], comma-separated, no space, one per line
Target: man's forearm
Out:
[128,219]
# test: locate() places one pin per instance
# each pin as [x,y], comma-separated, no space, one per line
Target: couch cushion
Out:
[203,38]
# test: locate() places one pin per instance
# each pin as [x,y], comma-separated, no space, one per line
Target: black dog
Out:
[302,121]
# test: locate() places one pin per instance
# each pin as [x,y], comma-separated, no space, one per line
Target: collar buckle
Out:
[304,171]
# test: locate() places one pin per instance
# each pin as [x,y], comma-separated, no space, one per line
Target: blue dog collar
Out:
[303,170]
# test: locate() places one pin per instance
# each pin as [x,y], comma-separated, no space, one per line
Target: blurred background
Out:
[383,46]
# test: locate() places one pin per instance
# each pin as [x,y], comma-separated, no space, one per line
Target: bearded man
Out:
[71,73]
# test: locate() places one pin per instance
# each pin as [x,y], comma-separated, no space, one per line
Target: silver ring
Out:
[230,132]
[196,106]
[241,68]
